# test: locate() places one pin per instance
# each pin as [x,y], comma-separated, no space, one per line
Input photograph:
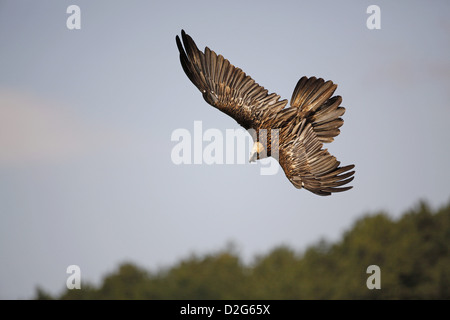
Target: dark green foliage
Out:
[413,254]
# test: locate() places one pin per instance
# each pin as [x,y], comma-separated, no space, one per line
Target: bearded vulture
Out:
[312,119]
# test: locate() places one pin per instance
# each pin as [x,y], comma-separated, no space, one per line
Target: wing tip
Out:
[179,44]
[343,177]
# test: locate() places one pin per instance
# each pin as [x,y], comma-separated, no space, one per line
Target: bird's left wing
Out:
[226,87]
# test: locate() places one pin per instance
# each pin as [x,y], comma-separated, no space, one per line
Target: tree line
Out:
[412,253]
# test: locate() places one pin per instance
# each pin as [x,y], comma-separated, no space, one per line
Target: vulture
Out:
[313,118]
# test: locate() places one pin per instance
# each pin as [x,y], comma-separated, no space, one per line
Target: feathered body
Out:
[312,119]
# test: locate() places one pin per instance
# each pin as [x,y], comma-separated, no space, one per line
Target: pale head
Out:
[257,149]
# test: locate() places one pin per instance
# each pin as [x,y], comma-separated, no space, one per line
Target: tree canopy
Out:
[412,252]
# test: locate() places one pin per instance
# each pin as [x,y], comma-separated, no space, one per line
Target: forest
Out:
[412,253]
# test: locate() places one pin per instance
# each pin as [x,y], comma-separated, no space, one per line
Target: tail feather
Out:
[313,99]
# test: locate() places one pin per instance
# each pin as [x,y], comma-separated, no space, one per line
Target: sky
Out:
[87,117]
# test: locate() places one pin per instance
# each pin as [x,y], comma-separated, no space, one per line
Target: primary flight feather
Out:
[312,119]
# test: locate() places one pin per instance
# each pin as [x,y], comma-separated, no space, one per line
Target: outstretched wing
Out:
[226,87]
[303,159]
[309,166]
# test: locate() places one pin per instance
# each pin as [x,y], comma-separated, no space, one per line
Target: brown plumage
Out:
[312,119]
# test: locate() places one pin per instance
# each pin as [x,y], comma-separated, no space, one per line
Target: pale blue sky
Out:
[86,118]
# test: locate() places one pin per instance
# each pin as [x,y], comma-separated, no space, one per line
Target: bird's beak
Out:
[253,157]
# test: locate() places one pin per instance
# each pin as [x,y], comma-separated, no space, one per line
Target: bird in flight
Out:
[312,119]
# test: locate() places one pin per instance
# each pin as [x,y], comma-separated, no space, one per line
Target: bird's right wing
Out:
[309,166]
[226,87]
[302,157]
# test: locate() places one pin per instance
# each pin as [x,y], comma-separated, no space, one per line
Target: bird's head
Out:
[257,152]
